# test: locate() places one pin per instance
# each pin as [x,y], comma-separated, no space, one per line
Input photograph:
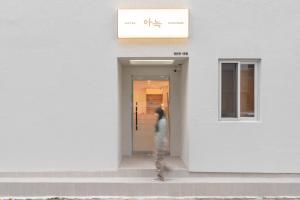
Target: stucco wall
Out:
[57,59]
[58,90]
[258,29]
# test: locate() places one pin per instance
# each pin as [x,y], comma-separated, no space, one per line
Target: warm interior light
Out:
[154,91]
[151,62]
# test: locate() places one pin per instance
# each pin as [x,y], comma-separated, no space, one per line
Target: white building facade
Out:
[67,86]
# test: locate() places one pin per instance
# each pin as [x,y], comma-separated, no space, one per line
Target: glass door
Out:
[148,95]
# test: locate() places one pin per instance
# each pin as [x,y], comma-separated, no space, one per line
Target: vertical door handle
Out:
[136,116]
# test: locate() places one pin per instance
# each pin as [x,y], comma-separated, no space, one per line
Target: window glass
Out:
[229,90]
[247,90]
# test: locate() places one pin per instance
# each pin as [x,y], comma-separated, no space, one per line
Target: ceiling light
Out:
[151,62]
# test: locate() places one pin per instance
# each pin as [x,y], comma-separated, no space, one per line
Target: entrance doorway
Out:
[147,96]
[144,85]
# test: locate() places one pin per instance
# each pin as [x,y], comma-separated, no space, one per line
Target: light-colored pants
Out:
[159,162]
[160,153]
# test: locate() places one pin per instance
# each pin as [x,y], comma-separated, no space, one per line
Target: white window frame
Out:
[255,62]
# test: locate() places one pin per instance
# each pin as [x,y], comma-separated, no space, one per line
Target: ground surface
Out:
[161,198]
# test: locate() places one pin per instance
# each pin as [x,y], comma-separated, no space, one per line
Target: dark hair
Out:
[161,114]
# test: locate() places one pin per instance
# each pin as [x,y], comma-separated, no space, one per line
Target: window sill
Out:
[233,120]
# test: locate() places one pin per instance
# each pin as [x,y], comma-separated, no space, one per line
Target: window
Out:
[238,90]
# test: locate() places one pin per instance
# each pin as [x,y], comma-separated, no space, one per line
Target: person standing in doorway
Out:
[160,143]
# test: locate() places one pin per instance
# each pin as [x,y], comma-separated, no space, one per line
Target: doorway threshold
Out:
[146,161]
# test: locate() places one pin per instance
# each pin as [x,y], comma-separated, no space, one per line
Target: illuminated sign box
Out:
[153,23]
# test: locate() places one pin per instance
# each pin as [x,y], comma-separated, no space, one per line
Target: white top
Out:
[160,135]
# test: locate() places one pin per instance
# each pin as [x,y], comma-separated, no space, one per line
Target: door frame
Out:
[145,78]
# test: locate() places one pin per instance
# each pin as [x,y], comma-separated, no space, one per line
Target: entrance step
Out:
[109,186]
[135,177]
